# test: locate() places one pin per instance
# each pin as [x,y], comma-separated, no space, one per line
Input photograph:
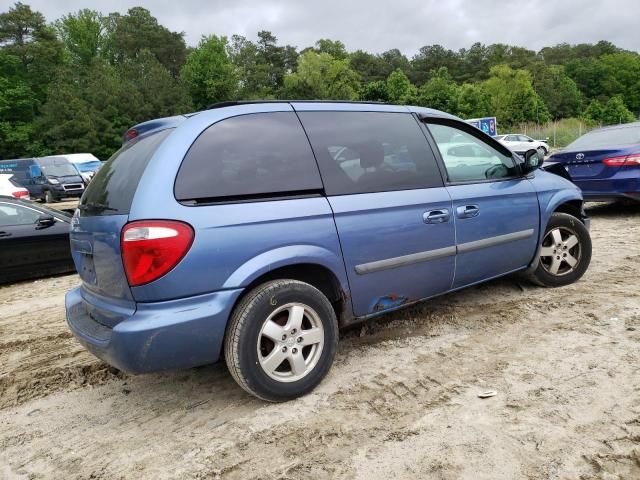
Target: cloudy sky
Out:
[378,25]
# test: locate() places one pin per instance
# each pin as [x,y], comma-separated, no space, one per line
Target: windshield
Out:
[89,166]
[58,169]
[607,138]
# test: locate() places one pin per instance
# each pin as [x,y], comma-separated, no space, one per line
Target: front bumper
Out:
[158,336]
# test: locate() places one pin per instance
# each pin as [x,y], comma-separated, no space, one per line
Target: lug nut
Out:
[284,337]
[293,332]
[284,349]
[295,350]
[299,340]
[558,257]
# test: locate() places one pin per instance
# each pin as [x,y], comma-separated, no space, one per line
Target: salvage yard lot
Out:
[400,402]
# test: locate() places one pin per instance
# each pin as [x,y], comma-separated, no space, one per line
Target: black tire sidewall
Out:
[569,222]
[260,309]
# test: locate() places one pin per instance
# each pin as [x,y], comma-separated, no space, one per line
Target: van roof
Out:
[327,105]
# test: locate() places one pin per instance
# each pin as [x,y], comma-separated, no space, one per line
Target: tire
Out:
[48,197]
[310,339]
[543,150]
[556,267]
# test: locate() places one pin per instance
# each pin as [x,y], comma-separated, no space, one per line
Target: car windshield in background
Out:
[607,138]
[112,188]
[88,166]
[58,169]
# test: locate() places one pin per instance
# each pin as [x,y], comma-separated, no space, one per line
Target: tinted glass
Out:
[250,155]
[607,138]
[468,158]
[17,215]
[112,188]
[361,152]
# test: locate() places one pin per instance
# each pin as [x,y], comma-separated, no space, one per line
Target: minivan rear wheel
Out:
[565,253]
[281,340]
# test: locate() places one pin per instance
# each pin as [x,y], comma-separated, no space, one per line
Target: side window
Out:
[468,158]
[523,138]
[363,152]
[12,215]
[249,155]
[511,138]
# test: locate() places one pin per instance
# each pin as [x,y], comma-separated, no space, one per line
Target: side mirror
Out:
[533,159]
[530,140]
[45,221]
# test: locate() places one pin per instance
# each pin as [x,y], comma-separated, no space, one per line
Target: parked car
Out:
[521,143]
[605,163]
[86,163]
[255,231]
[34,240]
[9,187]
[47,179]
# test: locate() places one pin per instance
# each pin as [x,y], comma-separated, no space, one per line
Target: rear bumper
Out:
[624,184]
[157,336]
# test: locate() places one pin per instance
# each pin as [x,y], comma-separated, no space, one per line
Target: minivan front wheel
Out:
[48,197]
[281,340]
[565,253]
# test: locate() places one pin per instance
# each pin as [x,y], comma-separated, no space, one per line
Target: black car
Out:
[34,240]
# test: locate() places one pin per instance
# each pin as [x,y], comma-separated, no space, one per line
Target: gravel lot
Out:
[400,402]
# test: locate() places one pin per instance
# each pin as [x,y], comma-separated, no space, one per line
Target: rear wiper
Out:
[95,206]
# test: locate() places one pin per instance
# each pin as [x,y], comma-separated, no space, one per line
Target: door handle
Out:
[436,216]
[5,234]
[468,211]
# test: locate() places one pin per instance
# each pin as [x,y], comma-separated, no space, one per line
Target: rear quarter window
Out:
[248,157]
[112,189]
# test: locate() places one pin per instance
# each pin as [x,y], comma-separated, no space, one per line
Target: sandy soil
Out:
[400,402]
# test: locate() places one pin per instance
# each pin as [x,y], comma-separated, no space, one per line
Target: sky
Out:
[376,25]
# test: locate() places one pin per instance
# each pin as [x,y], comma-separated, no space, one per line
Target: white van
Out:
[86,163]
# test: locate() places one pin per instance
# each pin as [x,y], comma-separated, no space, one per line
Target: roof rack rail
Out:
[250,102]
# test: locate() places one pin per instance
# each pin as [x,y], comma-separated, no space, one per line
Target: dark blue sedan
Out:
[605,163]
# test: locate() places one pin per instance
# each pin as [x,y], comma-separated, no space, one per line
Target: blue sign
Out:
[487,125]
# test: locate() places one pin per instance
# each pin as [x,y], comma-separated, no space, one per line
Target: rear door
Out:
[495,209]
[390,206]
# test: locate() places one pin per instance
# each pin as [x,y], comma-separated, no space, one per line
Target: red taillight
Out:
[131,134]
[150,248]
[21,194]
[626,161]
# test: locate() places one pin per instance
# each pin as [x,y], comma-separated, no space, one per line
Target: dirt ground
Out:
[401,400]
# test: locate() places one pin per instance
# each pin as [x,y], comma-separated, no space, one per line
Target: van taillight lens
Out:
[150,248]
[21,194]
[625,161]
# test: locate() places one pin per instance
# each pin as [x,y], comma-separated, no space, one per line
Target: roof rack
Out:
[250,102]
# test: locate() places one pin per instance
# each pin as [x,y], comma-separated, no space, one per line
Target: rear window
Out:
[607,138]
[112,188]
[253,156]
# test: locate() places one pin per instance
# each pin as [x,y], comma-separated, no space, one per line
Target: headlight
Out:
[53,181]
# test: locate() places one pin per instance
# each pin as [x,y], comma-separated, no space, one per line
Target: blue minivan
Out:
[255,231]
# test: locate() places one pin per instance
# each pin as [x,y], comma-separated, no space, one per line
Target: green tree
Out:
[473,101]
[611,112]
[400,90]
[335,48]
[320,76]
[209,74]
[558,91]
[375,92]
[138,30]
[513,99]
[440,92]
[83,35]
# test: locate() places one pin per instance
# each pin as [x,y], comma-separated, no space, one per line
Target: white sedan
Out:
[521,143]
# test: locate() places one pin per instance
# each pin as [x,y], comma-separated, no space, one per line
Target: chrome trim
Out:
[493,241]
[395,262]
[438,253]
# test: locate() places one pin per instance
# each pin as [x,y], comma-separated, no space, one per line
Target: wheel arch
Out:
[314,265]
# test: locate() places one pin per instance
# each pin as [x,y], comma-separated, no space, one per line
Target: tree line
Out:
[75,85]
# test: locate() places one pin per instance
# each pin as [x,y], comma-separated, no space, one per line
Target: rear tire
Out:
[565,253]
[281,340]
